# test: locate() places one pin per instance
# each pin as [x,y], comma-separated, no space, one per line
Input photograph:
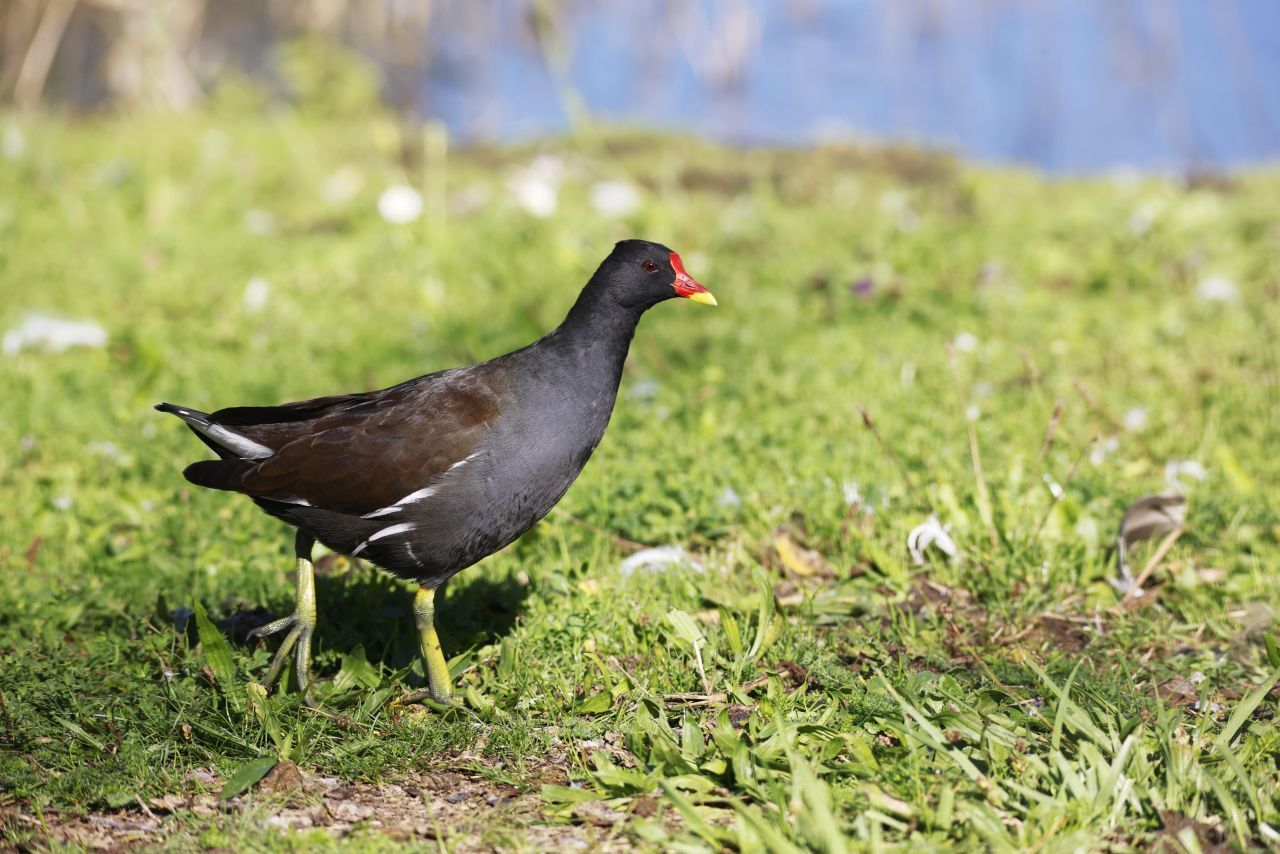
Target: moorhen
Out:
[430,476]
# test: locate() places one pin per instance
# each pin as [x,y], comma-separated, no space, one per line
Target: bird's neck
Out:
[597,329]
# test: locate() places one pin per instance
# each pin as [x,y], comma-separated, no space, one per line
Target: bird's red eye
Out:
[650,266]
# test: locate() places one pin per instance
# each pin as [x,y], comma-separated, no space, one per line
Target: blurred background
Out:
[1064,85]
[1067,306]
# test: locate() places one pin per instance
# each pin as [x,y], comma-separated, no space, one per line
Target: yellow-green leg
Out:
[439,686]
[301,624]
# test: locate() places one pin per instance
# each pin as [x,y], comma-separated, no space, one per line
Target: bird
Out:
[428,477]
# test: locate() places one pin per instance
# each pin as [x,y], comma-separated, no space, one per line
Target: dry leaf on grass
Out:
[1150,516]
[797,560]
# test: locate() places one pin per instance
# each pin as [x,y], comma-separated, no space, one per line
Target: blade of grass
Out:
[1246,708]
[690,816]
[1055,741]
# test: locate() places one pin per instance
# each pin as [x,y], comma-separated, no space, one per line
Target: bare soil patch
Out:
[457,808]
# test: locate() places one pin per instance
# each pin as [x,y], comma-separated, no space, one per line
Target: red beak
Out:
[686,286]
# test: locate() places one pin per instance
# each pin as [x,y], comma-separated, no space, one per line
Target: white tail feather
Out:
[242,446]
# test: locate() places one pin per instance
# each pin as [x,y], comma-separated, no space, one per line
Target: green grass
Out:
[855,700]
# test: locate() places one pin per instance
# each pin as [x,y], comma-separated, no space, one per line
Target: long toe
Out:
[281,658]
[302,664]
[425,694]
[273,627]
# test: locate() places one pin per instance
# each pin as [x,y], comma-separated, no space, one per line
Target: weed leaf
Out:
[217,652]
[357,672]
[597,703]
[246,776]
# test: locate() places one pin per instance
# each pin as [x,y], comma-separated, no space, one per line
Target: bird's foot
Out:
[301,625]
[439,684]
[425,694]
[298,639]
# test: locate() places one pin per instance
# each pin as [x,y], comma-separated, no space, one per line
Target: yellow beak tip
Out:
[704,297]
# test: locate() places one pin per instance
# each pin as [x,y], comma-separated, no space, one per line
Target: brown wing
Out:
[277,426]
[368,454]
[303,410]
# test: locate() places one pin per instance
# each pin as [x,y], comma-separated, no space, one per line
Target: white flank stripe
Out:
[421,494]
[242,445]
[462,462]
[392,531]
[389,531]
[288,499]
[399,505]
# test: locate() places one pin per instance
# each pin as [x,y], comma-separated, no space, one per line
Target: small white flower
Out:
[1175,470]
[1136,418]
[965,342]
[894,202]
[614,198]
[62,502]
[433,289]
[1217,289]
[536,188]
[537,198]
[400,204]
[699,261]
[53,334]
[256,293]
[1101,450]
[342,185]
[660,559]
[13,144]
[108,450]
[729,498]
[258,221]
[971,412]
[852,496]
[931,532]
[1144,216]
[1055,488]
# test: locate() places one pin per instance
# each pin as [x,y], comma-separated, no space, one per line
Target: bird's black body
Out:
[430,476]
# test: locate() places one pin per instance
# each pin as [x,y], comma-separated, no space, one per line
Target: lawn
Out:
[899,334]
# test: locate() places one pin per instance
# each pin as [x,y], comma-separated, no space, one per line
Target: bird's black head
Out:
[639,275]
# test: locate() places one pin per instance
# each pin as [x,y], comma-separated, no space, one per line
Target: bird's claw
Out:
[408,698]
[301,628]
[273,627]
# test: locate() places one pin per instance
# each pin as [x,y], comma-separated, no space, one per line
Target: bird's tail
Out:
[227,443]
